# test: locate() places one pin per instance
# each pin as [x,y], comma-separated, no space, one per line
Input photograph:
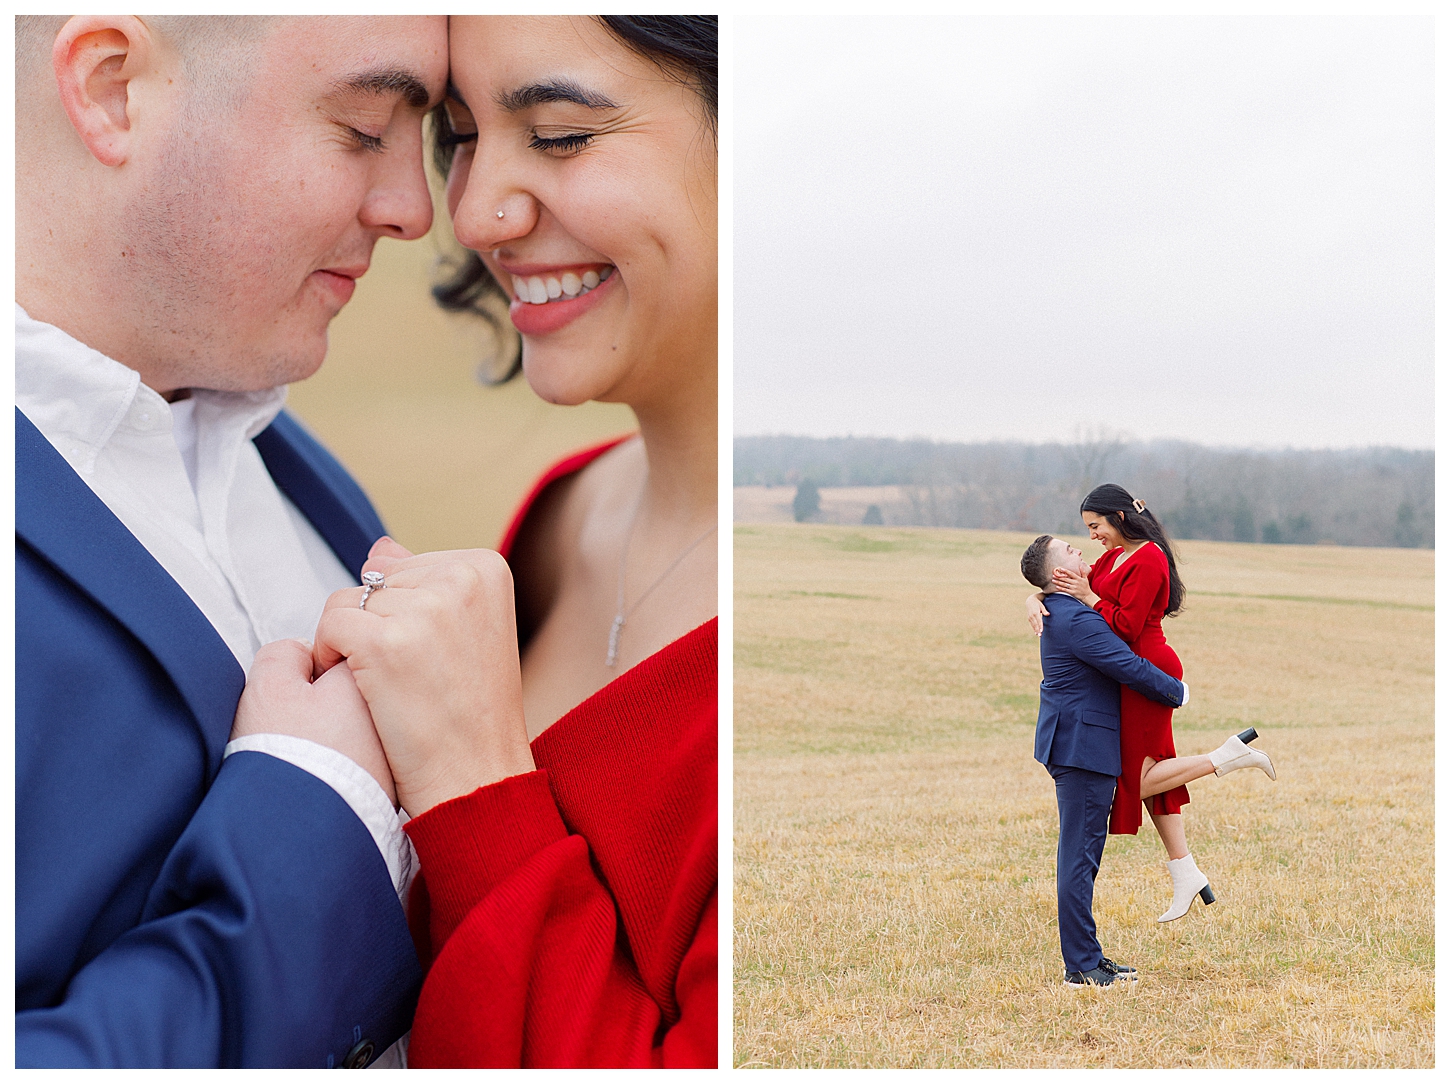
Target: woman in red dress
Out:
[1134,585]
[564,803]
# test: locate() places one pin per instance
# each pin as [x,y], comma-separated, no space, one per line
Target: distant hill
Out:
[1365,497]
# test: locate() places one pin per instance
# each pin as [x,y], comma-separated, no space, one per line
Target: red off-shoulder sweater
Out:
[568,917]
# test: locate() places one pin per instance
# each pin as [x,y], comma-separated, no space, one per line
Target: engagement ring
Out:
[372,581]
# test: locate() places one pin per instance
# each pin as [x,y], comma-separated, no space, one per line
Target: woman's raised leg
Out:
[1163,775]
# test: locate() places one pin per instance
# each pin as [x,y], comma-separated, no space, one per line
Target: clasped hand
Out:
[435,657]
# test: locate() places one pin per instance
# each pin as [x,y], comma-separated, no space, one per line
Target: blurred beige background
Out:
[444,459]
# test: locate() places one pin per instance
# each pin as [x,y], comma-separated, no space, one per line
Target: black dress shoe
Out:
[1096,977]
[1123,971]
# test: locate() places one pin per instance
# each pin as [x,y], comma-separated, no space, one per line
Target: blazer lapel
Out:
[325,493]
[66,523]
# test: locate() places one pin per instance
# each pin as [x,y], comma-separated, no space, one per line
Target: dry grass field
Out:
[444,459]
[895,841]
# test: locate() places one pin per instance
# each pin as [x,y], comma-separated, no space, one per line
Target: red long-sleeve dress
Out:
[1133,599]
[568,917]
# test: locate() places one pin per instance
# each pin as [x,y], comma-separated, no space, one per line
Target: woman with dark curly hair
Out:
[1134,585]
[563,797]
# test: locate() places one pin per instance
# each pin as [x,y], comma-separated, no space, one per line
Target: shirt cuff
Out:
[355,787]
[1180,681]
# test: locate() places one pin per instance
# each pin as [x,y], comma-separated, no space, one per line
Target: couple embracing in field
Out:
[286,792]
[1110,683]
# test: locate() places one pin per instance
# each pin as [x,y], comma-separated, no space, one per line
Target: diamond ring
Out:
[372,581]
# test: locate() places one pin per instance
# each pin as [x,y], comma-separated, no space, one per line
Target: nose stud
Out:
[500,214]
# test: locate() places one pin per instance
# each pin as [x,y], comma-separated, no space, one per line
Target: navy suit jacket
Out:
[172,909]
[1084,665]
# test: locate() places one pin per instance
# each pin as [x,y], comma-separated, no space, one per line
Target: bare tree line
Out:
[1362,497]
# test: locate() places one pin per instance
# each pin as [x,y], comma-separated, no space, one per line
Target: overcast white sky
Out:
[1218,229]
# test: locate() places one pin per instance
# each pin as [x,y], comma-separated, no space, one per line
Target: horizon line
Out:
[1069,442]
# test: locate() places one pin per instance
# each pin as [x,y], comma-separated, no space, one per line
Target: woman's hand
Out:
[281,697]
[435,654]
[1036,612]
[1074,584]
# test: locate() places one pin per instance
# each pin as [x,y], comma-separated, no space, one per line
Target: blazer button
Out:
[359,1056]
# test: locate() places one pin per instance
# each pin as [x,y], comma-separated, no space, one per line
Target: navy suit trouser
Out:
[1083,801]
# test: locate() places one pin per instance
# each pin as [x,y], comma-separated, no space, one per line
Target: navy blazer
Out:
[1084,665]
[172,909]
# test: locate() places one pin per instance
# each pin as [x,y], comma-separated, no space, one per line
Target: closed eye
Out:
[365,141]
[561,145]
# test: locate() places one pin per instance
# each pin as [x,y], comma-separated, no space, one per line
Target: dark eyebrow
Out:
[387,81]
[555,90]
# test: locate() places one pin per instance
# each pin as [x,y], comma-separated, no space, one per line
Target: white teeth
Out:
[540,290]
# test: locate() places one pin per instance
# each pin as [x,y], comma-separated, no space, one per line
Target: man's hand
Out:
[282,698]
[385,555]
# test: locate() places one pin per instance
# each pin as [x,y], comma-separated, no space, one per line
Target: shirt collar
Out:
[80,397]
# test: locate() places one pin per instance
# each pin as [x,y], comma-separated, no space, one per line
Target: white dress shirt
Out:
[187,481]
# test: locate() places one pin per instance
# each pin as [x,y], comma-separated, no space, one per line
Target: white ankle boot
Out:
[1188,881]
[1234,754]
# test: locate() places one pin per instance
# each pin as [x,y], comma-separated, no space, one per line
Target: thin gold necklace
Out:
[620,613]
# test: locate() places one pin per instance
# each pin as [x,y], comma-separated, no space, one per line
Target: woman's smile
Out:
[1100,531]
[549,305]
[544,286]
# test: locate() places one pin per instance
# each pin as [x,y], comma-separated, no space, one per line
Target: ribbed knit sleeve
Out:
[472,844]
[571,913]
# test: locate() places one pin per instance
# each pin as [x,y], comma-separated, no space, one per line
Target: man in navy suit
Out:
[195,199]
[1084,665]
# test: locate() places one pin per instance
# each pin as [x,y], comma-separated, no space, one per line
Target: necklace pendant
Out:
[614,632]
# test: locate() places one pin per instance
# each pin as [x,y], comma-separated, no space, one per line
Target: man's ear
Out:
[95,58]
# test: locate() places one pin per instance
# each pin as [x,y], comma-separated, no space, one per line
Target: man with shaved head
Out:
[195,200]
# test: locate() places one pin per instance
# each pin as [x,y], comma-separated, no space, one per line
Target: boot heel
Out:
[1207,895]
